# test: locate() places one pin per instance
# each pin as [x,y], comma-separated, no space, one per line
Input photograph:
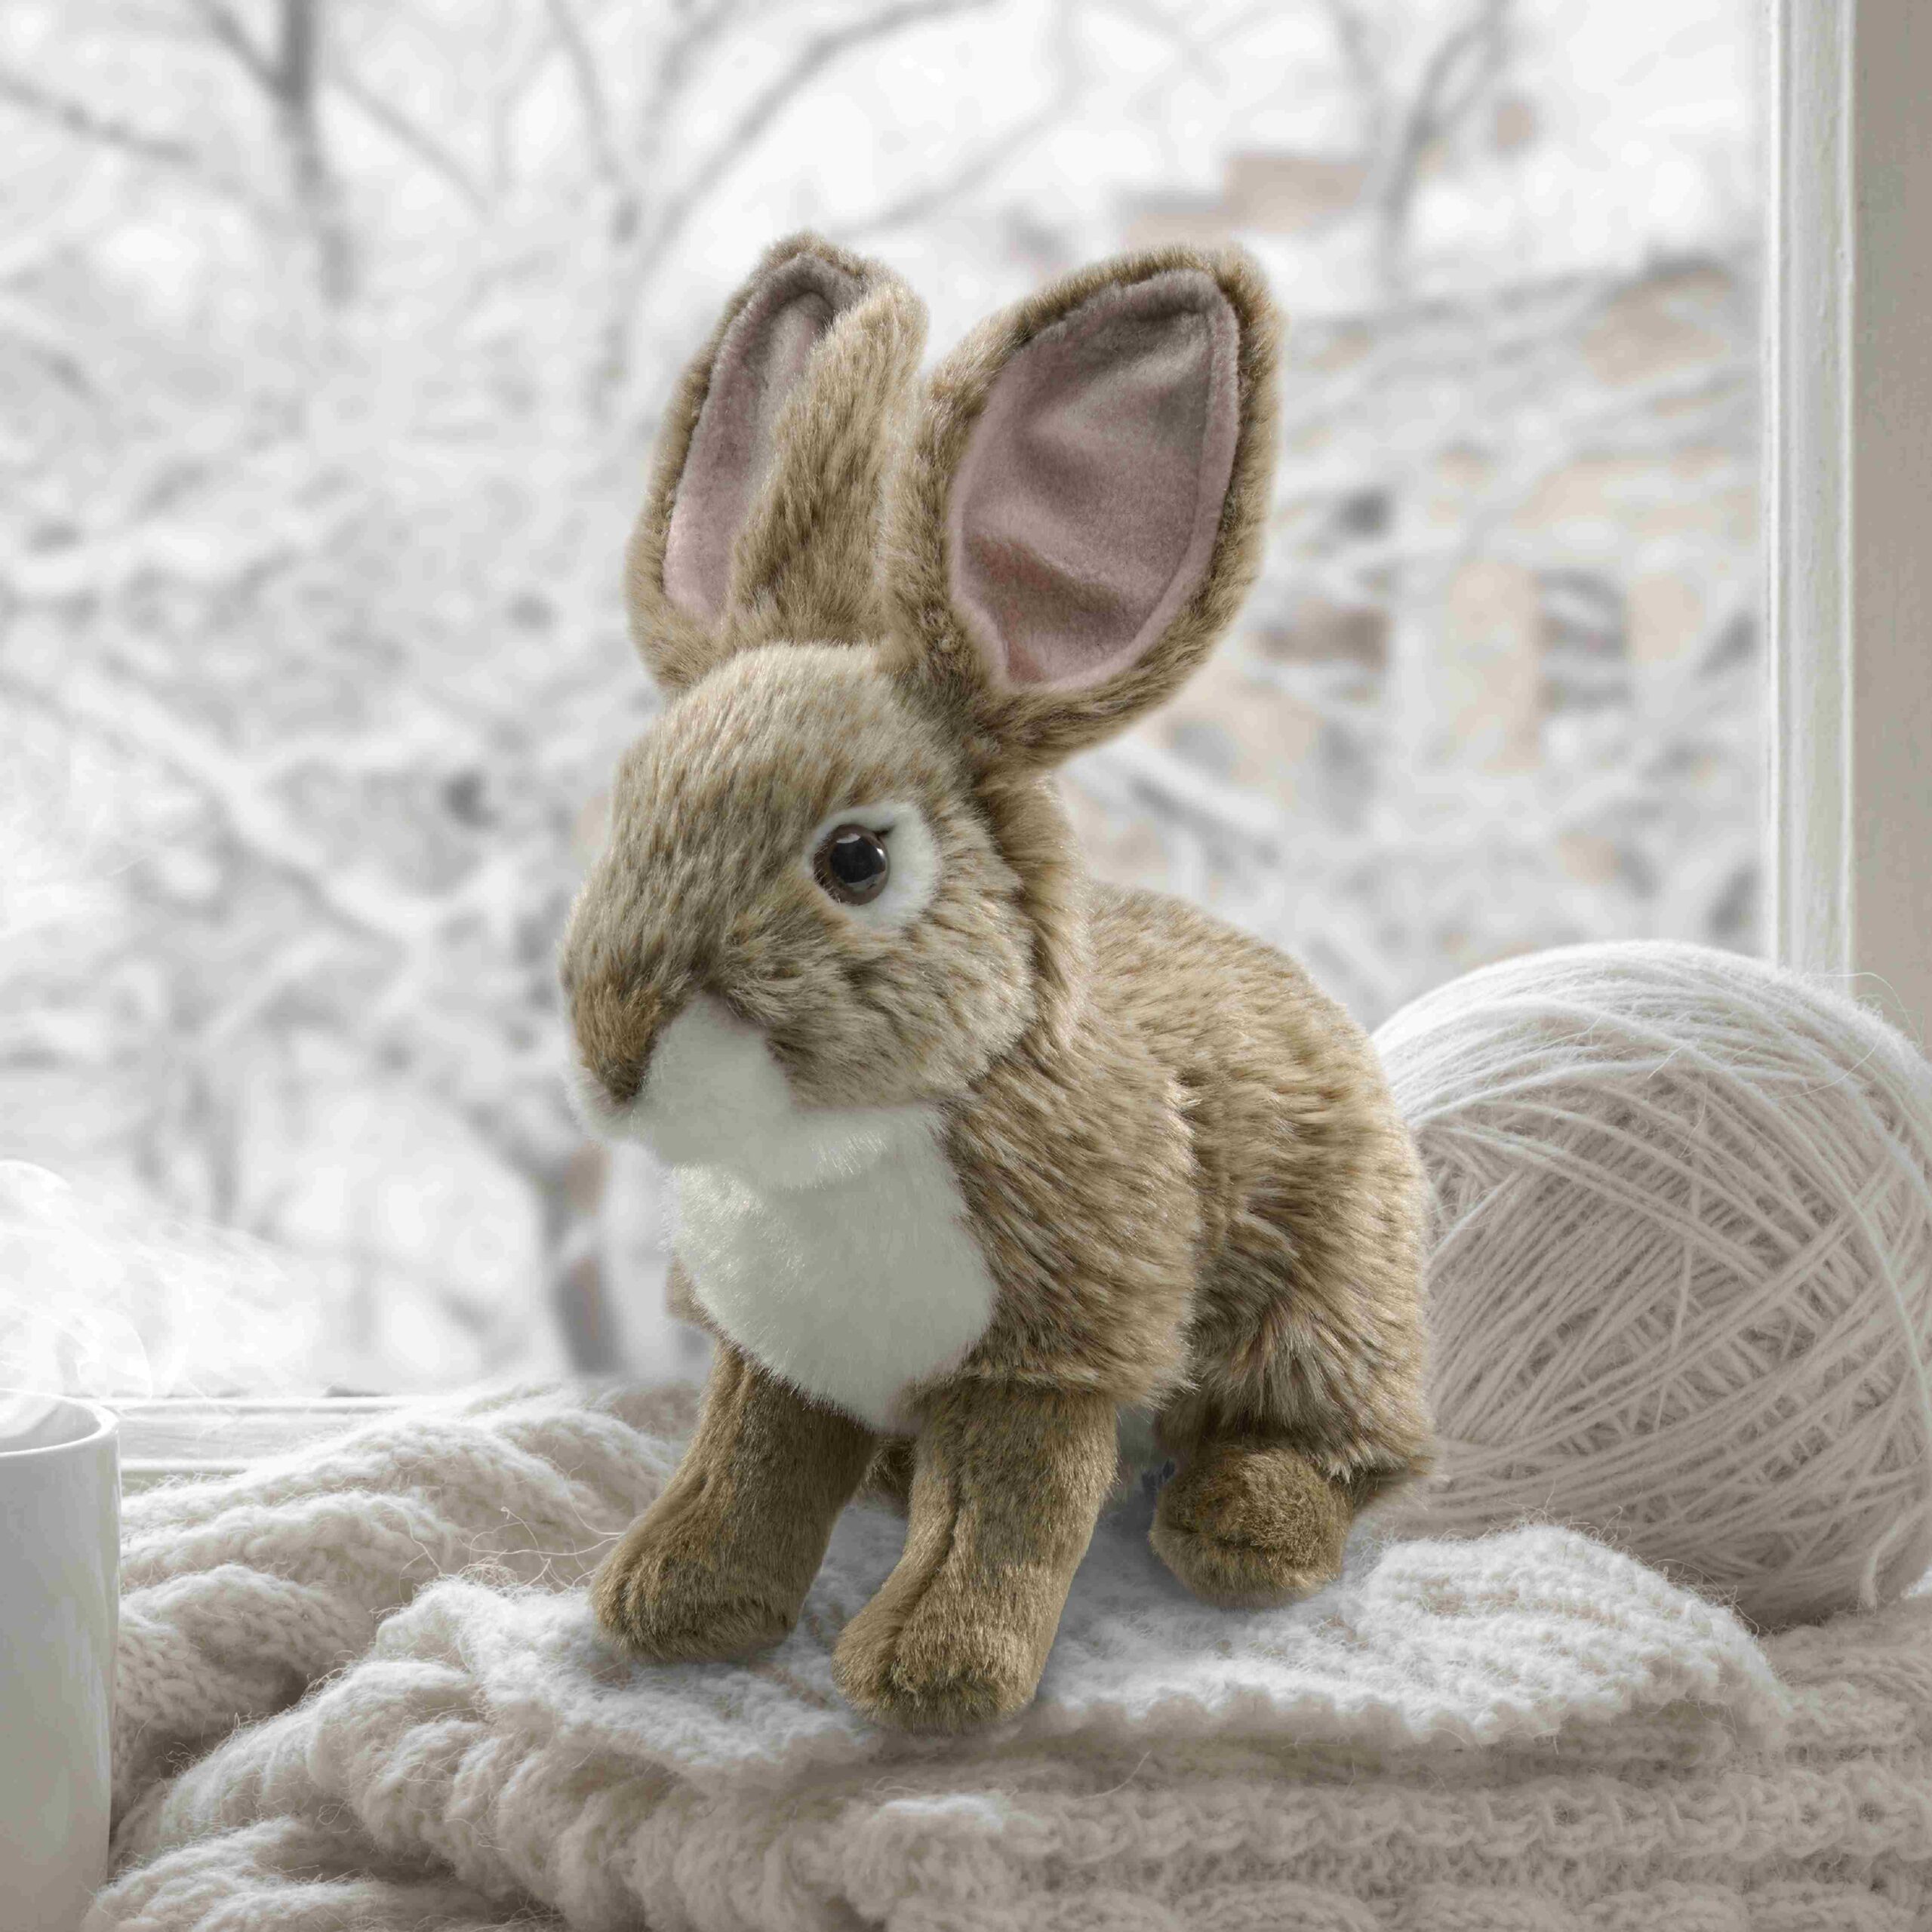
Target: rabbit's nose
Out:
[617,1026]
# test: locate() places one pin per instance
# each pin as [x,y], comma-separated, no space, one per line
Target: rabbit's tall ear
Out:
[1081,509]
[763,517]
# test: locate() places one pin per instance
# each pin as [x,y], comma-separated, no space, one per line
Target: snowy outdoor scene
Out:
[333,336]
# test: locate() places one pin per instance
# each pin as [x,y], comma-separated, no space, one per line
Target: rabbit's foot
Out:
[946,1660]
[664,1596]
[719,1566]
[1006,1484]
[1248,1523]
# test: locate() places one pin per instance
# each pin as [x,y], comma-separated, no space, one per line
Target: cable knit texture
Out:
[361,1688]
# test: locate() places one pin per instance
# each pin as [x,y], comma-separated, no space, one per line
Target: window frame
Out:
[1847,528]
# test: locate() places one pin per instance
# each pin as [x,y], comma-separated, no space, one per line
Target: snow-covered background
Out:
[332,335]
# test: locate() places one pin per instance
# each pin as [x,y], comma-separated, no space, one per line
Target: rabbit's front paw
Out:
[1250,1524]
[945,1662]
[661,1595]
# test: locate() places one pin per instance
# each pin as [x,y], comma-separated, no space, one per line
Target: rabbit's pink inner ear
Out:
[1085,510]
[758,364]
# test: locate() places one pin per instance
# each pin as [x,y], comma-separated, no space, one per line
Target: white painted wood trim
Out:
[196,1436]
[1848,534]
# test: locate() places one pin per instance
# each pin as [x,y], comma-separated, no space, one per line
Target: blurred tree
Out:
[332,337]
[326,564]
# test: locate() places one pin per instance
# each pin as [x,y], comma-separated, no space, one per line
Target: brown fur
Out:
[719,1564]
[1028,728]
[802,564]
[702,884]
[1304,1320]
[1223,1524]
[1004,1498]
[1179,1159]
[1207,1199]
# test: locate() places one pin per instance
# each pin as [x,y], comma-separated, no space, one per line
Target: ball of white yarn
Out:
[1681,1292]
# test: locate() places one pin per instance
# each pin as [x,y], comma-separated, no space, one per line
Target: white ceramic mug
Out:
[59,1597]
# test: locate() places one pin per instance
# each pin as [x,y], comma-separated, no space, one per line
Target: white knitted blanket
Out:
[361,1689]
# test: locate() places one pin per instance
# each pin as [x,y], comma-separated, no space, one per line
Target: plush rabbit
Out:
[972,1153]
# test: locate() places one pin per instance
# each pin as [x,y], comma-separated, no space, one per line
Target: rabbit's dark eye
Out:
[852,864]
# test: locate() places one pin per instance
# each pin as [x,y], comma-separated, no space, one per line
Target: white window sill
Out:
[193,1436]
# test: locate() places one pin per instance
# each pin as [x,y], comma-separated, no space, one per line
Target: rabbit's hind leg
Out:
[1249,1520]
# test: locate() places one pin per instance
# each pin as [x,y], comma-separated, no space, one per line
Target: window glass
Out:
[333,339]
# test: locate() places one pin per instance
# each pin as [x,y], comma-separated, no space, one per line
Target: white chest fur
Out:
[851,1288]
[831,1244]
